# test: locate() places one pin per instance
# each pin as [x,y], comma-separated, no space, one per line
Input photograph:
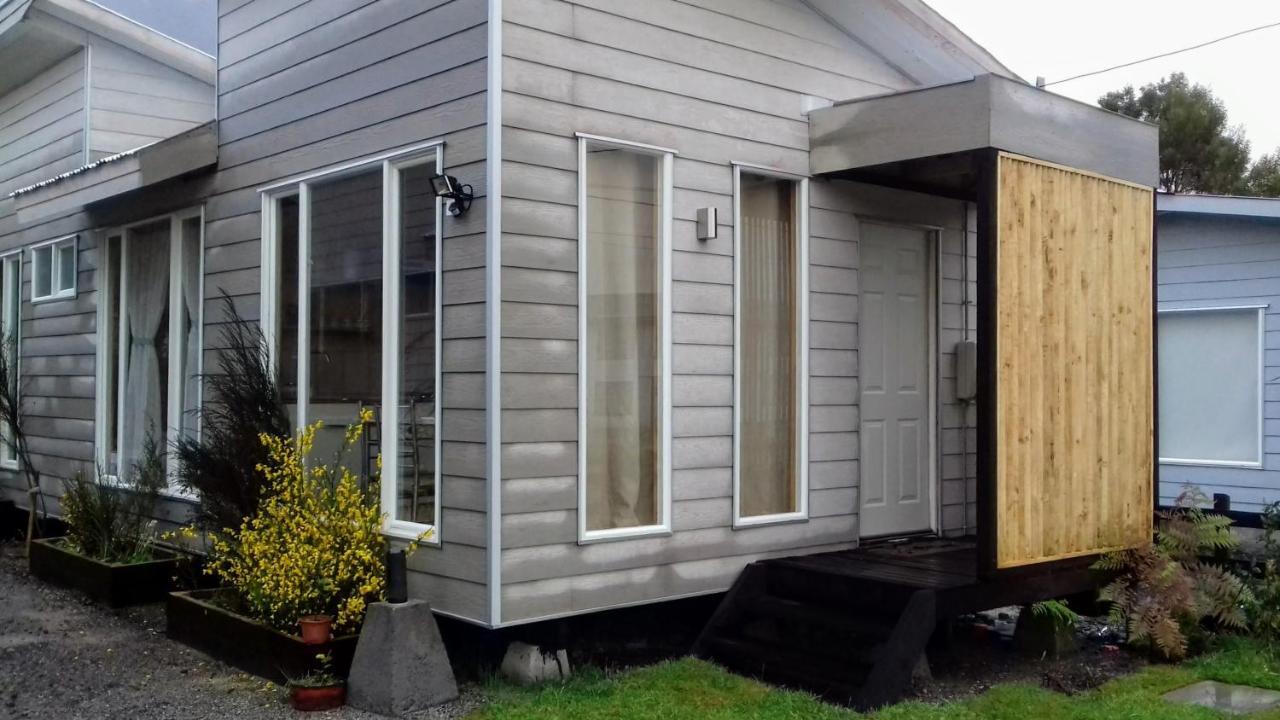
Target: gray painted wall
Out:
[42,125]
[1206,261]
[719,81]
[304,86]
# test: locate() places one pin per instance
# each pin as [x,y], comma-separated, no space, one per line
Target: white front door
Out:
[895,368]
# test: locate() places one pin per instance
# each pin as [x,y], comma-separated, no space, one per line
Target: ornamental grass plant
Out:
[111,519]
[314,545]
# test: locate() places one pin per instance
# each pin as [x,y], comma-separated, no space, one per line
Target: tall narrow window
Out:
[768,374]
[344,351]
[151,318]
[622,355]
[362,244]
[417,320]
[10,337]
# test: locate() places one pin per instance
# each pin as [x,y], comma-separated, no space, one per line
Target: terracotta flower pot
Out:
[316,629]
[308,699]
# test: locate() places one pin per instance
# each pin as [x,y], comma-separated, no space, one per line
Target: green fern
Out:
[1057,612]
[1163,590]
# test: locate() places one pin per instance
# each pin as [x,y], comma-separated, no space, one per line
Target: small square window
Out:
[53,270]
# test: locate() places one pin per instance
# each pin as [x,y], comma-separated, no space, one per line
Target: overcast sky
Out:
[194,22]
[1061,39]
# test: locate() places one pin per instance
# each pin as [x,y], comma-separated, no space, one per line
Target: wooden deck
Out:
[850,625]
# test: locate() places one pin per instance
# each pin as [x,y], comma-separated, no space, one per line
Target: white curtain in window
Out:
[623,363]
[147,299]
[767,351]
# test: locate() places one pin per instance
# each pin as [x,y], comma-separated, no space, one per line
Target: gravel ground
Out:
[64,657]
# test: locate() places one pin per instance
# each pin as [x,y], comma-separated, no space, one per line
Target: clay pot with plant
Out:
[319,689]
[316,629]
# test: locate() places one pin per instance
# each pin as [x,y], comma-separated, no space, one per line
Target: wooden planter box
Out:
[114,584]
[247,644]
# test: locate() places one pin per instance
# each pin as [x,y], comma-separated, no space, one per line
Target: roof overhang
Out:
[924,139]
[109,177]
[1229,205]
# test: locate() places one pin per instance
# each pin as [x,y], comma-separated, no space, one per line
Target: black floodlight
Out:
[458,194]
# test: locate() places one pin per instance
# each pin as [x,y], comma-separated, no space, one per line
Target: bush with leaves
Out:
[1263,575]
[112,519]
[1166,591]
[244,403]
[315,545]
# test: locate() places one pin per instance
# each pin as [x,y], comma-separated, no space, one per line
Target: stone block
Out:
[529,664]
[401,665]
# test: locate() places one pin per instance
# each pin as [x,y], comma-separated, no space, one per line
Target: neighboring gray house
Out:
[585,425]
[1219,271]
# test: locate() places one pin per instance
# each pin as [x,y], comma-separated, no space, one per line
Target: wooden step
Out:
[873,627]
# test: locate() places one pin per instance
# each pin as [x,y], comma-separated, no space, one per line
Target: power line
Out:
[1167,54]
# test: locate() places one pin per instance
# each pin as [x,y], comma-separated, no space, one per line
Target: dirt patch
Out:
[980,654]
[63,656]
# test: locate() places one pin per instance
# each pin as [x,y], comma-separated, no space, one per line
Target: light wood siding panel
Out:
[1074,425]
[42,126]
[135,101]
[1208,261]
[328,82]
[718,82]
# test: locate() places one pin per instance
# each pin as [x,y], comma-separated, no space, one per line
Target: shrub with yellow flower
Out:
[315,547]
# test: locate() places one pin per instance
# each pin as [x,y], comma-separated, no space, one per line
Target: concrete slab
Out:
[1231,699]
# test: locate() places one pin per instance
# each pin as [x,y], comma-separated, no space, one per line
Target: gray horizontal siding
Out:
[135,101]
[42,126]
[719,82]
[1205,261]
[304,86]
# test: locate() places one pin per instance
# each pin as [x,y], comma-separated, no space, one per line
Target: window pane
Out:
[145,304]
[345,354]
[190,310]
[67,266]
[416,489]
[1209,384]
[111,352]
[287,224]
[10,317]
[42,271]
[767,347]
[623,352]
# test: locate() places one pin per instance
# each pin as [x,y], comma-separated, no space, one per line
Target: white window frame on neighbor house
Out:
[1251,463]
[174,377]
[11,304]
[801,439]
[667,156]
[54,248]
[429,153]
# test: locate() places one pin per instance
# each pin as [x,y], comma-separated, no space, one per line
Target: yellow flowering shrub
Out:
[315,547]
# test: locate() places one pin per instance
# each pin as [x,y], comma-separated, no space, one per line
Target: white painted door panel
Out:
[894,348]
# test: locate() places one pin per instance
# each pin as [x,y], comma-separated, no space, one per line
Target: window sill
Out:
[1239,464]
[602,536]
[410,532]
[770,520]
[64,295]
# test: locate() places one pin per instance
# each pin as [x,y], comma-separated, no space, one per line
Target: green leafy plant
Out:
[221,466]
[1164,592]
[112,519]
[322,677]
[1057,612]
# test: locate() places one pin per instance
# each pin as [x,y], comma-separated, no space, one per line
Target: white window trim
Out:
[391,165]
[1257,464]
[55,263]
[173,415]
[13,256]
[801,440]
[663,527]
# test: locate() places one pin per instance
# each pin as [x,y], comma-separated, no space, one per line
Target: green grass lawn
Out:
[701,691]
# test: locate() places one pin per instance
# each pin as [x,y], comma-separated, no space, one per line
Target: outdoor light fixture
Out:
[458,194]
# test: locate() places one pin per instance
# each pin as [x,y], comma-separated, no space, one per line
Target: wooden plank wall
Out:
[1074,426]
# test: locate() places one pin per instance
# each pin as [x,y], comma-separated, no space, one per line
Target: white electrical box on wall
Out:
[708,223]
[966,370]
